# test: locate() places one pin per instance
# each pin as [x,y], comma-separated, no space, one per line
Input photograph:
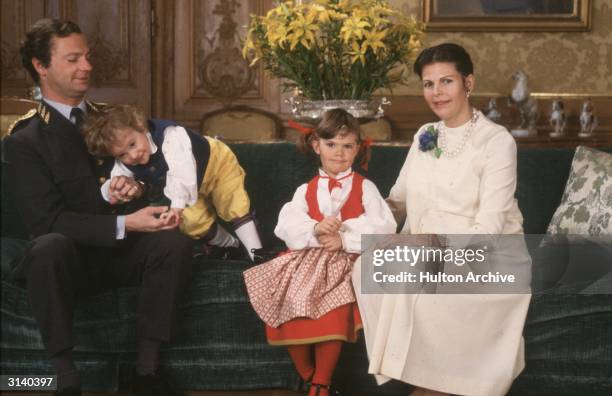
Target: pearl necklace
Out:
[442,136]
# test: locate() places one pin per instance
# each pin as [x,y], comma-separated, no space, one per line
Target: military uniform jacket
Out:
[54,181]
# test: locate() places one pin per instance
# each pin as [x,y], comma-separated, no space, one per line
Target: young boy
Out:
[199,175]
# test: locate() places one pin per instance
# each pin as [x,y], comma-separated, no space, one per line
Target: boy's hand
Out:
[123,189]
[172,216]
[327,226]
[331,243]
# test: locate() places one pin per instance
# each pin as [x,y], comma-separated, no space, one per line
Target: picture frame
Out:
[507,15]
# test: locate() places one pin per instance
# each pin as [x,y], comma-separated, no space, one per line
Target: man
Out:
[77,245]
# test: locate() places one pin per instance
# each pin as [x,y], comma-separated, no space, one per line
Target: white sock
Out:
[223,238]
[247,233]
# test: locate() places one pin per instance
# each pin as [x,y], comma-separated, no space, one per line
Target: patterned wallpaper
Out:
[555,62]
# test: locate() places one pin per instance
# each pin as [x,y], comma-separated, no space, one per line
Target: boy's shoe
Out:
[205,250]
[263,254]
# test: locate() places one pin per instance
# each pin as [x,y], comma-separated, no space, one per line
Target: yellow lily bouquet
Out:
[334,49]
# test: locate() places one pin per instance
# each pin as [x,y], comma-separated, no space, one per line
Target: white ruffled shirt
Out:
[296,228]
[181,179]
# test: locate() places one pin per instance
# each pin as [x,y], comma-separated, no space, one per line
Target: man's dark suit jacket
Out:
[54,182]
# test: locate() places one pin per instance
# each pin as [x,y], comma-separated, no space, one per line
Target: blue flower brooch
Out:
[429,141]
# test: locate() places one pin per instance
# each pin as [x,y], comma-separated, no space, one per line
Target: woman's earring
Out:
[467,93]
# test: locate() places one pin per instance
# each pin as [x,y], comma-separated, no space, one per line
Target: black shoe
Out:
[156,384]
[262,255]
[217,252]
[68,391]
[332,391]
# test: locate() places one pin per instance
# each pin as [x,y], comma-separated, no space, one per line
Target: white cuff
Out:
[178,203]
[343,240]
[120,227]
[105,190]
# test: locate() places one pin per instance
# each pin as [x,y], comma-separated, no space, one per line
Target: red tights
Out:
[320,370]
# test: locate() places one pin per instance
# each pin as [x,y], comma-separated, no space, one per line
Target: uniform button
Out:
[102,180]
[99,162]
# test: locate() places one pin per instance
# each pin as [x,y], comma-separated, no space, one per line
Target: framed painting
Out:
[507,15]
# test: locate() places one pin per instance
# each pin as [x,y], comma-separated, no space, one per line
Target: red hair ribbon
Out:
[367,142]
[300,128]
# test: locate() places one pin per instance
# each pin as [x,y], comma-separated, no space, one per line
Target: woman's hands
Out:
[327,232]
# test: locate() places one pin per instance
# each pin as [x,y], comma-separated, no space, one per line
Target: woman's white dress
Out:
[455,343]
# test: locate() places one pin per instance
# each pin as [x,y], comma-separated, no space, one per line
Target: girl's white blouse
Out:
[296,228]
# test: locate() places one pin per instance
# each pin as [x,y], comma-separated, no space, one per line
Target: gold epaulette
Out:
[44,112]
[31,113]
[96,106]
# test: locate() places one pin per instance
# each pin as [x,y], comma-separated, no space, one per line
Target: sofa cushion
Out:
[568,346]
[586,205]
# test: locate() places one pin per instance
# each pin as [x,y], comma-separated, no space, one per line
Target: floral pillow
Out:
[586,205]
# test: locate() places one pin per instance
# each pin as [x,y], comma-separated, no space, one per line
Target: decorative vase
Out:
[312,110]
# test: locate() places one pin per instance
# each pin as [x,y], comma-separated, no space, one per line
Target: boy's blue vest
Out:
[154,172]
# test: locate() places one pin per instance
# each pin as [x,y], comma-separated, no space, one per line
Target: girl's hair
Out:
[100,128]
[333,123]
[447,52]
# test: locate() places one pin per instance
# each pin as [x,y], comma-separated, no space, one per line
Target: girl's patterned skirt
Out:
[305,296]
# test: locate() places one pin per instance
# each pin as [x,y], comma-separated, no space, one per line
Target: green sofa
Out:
[221,344]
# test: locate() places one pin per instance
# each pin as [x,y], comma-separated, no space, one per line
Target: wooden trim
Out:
[162,57]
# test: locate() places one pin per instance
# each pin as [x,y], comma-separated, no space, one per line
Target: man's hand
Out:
[149,220]
[172,216]
[331,243]
[327,226]
[123,189]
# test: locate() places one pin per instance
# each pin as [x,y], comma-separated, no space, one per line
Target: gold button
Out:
[99,162]
[102,180]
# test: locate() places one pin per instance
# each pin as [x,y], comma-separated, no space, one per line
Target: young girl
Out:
[305,296]
[199,175]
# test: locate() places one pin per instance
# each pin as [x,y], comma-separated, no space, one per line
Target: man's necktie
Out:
[77,114]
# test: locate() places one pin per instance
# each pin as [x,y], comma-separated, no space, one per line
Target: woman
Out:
[465,344]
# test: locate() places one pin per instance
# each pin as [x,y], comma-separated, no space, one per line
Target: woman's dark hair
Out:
[37,42]
[333,123]
[447,52]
